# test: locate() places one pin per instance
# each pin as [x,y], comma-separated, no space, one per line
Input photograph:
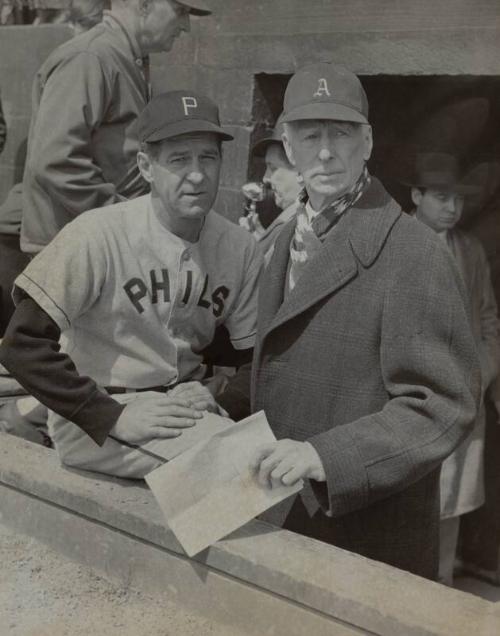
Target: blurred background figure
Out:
[3,127]
[82,15]
[280,181]
[439,193]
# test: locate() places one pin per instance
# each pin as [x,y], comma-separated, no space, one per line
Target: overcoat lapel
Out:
[358,238]
[332,267]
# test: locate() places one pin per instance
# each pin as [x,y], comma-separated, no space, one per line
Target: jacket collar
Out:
[371,220]
[358,238]
[112,21]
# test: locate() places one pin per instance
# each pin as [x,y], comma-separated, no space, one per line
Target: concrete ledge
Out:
[295,582]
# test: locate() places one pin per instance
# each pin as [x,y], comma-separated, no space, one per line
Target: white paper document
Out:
[208,491]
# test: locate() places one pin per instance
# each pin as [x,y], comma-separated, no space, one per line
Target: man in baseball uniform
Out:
[112,316]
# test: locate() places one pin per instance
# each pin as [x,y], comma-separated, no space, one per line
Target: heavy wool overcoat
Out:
[371,359]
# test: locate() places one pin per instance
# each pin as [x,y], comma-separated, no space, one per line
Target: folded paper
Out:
[208,491]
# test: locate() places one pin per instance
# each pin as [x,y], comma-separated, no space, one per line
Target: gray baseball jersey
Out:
[135,303]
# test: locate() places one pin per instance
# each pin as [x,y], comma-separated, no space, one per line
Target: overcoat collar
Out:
[357,240]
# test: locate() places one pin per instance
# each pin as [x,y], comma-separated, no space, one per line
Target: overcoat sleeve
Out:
[431,374]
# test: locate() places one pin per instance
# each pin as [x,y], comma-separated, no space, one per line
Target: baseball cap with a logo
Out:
[196,7]
[325,91]
[177,113]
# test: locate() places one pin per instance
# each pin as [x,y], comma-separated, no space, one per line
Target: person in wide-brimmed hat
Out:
[438,190]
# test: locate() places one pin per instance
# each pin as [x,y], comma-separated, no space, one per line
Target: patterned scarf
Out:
[312,227]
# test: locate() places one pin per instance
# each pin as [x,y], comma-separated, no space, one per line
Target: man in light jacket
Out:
[82,145]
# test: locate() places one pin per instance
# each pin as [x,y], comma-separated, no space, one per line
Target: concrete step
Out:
[260,579]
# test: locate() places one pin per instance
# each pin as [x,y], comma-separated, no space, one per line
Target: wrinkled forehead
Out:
[307,124]
[192,140]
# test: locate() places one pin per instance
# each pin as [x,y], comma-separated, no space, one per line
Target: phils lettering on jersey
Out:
[159,291]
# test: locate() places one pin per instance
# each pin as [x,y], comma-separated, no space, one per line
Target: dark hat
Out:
[273,137]
[196,7]
[439,170]
[453,127]
[325,91]
[177,113]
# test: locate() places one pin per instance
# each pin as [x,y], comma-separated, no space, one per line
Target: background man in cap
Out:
[282,179]
[86,97]
[137,290]
[364,361]
[438,194]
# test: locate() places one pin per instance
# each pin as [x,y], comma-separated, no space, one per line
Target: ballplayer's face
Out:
[330,155]
[185,175]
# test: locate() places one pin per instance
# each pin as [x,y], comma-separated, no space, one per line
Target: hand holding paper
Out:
[209,490]
[285,462]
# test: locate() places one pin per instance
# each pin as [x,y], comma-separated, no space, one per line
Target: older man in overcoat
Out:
[365,363]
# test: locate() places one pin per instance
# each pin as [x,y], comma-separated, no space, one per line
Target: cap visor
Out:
[259,149]
[188,126]
[196,8]
[324,110]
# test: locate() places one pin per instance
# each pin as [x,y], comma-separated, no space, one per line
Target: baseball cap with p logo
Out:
[325,91]
[177,113]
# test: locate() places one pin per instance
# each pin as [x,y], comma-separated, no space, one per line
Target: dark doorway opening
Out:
[456,114]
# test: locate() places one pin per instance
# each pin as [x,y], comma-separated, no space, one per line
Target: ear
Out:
[145,166]
[368,137]
[287,146]
[416,196]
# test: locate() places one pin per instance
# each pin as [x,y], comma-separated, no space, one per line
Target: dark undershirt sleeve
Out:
[235,400]
[30,351]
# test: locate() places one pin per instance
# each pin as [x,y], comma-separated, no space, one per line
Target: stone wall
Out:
[225,52]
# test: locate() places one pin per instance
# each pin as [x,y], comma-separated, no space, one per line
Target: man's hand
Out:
[195,395]
[285,462]
[155,416]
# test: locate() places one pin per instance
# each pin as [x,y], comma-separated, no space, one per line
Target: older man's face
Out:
[163,22]
[330,156]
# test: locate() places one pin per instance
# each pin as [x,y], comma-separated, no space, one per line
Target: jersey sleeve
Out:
[65,278]
[242,320]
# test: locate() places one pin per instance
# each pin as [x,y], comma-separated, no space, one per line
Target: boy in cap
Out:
[135,291]
[364,362]
[438,192]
